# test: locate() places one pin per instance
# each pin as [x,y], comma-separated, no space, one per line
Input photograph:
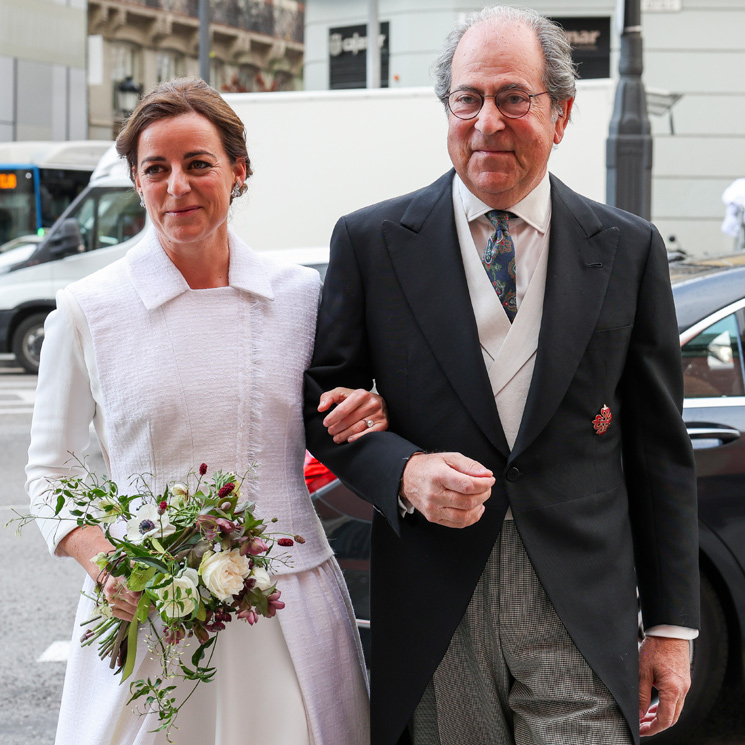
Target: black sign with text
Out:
[590,40]
[348,56]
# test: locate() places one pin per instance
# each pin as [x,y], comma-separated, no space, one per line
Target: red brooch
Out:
[602,421]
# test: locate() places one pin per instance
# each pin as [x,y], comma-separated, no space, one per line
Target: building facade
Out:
[255,45]
[694,54]
[43,93]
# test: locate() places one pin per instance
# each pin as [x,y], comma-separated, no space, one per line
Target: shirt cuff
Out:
[672,632]
[404,506]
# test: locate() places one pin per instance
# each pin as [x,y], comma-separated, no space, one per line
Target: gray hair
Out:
[560,72]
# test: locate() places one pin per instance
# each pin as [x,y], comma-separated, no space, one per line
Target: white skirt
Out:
[296,679]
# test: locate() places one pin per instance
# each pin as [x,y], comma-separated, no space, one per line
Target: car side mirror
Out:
[67,239]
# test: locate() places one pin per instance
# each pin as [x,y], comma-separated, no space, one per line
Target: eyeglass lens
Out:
[467,104]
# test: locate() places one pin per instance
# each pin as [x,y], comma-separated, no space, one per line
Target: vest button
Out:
[513,474]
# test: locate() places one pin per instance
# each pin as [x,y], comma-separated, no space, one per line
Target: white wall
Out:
[319,155]
[697,50]
[42,70]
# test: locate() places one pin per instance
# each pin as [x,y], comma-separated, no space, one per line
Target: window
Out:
[108,217]
[170,65]
[713,361]
[124,61]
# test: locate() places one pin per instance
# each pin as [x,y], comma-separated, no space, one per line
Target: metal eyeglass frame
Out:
[506,91]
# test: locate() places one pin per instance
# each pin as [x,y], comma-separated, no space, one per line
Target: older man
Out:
[537,469]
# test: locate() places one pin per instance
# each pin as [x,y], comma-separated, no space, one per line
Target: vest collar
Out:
[157,280]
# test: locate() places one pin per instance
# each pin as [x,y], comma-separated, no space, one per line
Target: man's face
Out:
[501,160]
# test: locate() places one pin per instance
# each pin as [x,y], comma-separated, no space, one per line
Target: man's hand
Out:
[447,488]
[665,664]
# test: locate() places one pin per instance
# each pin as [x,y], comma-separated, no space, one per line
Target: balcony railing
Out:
[250,15]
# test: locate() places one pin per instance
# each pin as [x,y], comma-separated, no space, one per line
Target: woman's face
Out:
[185,178]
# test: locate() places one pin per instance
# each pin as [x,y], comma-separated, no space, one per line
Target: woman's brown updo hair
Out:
[184,96]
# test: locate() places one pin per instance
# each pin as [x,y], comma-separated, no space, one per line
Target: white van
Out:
[98,227]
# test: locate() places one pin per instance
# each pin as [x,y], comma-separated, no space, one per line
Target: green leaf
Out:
[60,504]
[156,545]
[150,561]
[201,649]
[143,609]
[129,665]
[139,578]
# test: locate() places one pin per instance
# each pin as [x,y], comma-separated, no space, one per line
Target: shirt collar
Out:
[533,208]
[157,280]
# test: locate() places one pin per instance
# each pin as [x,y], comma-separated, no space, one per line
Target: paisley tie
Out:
[499,262]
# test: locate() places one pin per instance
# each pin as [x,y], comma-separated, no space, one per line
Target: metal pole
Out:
[373,50]
[204,40]
[629,144]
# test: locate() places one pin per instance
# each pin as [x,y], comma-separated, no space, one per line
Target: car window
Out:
[108,217]
[712,361]
[120,217]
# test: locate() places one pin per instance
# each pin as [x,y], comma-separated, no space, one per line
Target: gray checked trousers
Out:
[512,675]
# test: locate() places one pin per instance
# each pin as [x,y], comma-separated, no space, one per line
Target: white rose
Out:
[147,522]
[188,599]
[223,573]
[263,580]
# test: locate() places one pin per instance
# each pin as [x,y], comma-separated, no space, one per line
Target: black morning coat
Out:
[598,514]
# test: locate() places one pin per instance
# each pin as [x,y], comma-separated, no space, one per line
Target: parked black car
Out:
[710,302]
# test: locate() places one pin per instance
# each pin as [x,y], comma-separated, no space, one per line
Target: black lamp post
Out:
[204,40]
[127,96]
[629,145]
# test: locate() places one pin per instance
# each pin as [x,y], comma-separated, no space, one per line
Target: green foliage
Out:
[168,536]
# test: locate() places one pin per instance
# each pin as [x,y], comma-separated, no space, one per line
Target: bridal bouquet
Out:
[200,557]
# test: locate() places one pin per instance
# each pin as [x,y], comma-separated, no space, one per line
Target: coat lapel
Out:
[426,257]
[580,260]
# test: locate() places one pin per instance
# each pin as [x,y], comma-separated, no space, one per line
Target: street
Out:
[41,595]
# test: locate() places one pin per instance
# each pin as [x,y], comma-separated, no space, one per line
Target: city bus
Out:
[39,180]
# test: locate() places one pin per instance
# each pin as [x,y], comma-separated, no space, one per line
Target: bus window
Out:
[39,180]
[58,188]
[16,194]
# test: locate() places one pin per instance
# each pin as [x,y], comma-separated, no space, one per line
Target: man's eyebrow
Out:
[508,87]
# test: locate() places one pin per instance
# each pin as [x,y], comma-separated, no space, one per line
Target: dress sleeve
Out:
[63,412]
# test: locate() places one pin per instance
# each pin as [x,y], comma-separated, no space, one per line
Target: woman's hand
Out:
[121,600]
[356,413]
[83,544]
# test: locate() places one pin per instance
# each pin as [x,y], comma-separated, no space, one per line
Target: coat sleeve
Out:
[658,459]
[63,411]
[371,466]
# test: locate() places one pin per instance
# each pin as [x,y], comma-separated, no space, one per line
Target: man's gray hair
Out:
[560,71]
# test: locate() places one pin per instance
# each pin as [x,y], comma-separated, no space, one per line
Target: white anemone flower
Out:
[147,522]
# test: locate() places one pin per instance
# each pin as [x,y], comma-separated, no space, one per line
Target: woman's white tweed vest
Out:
[208,376]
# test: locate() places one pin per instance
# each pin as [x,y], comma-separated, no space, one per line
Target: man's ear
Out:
[562,120]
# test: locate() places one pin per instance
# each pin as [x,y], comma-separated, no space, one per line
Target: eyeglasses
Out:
[511,102]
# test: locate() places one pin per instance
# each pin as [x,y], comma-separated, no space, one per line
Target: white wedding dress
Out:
[171,378]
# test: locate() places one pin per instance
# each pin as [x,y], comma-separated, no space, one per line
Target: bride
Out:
[191,349]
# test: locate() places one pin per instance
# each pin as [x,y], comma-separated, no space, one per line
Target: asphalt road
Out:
[41,594]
